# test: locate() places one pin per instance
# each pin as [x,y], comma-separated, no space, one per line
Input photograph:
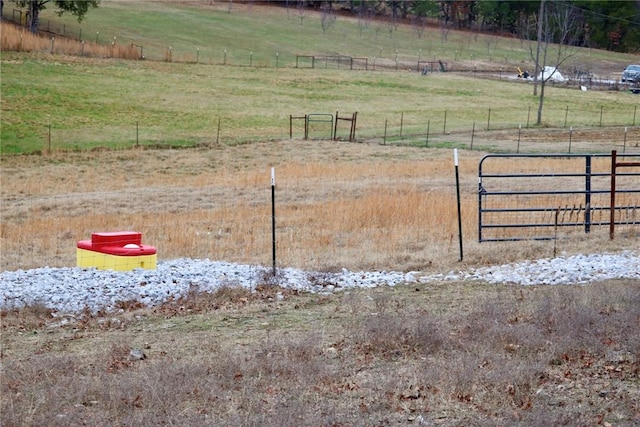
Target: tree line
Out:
[600,24]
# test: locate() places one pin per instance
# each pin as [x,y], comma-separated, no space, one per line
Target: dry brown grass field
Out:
[18,39]
[453,354]
[338,205]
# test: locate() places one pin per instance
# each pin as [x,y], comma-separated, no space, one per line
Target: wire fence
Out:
[51,219]
[570,128]
[84,42]
[494,132]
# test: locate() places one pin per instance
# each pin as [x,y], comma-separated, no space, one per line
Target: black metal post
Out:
[273,218]
[489,119]
[587,199]
[455,162]
[473,131]
[384,139]
[601,108]
[426,144]
[218,132]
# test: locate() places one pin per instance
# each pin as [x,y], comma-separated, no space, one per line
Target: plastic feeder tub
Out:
[116,250]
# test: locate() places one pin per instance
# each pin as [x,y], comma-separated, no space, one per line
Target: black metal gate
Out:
[532,196]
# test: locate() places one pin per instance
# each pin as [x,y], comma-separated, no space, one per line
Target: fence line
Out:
[406,130]
[249,57]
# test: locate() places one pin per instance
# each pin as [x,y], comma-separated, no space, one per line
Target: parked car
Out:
[631,73]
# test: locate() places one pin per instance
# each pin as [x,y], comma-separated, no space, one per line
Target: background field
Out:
[79,103]
[203,30]
[454,354]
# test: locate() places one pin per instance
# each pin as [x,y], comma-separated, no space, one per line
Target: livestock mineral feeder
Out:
[116,250]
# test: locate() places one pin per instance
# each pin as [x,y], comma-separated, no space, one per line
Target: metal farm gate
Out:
[532,196]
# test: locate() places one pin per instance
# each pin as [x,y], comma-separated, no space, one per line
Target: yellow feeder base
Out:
[102,261]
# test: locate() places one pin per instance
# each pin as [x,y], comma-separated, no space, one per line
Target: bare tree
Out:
[392,25]
[301,10]
[558,32]
[420,11]
[328,17]
[538,46]
[492,45]
[419,25]
[364,17]
[445,27]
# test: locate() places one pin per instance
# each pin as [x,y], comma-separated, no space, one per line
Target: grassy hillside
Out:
[213,27]
[70,102]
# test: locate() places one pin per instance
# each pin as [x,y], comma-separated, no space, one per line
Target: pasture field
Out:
[451,354]
[68,103]
[338,204]
[60,102]
[203,30]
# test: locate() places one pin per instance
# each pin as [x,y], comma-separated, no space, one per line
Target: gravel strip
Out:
[73,290]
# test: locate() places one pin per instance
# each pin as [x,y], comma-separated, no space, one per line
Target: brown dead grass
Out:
[455,354]
[332,208]
[359,206]
[18,39]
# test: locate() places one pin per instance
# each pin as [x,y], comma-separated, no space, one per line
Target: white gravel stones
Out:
[565,270]
[72,290]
